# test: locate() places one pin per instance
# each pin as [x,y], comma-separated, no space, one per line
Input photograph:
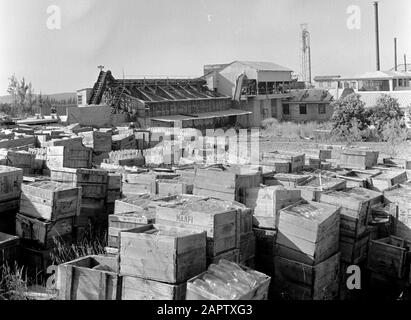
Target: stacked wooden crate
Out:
[123,141]
[228,281]
[355,210]
[290,180]
[156,261]
[307,257]
[400,198]
[129,213]
[388,262]
[47,212]
[220,222]
[9,249]
[176,186]
[295,161]
[224,184]
[89,278]
[99,142]
[21,159]
[388,179]
[10,189]
[358,159]
[312,187]
[146,182]
[126,158]
[93,183]
[354,230]
[267,202]
[113,191]
[69,157]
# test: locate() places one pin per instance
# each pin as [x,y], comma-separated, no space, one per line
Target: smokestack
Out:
[377,38]
[395,54]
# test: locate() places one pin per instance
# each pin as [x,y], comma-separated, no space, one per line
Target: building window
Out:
[303,109]
[321,109]
[80,99]
[286,109]
[400,82]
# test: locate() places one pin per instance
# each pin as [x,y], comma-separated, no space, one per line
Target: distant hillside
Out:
[57,96]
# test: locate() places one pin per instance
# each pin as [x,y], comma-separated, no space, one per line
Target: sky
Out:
[176,38]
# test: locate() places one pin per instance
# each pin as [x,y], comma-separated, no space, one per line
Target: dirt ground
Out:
[268,143]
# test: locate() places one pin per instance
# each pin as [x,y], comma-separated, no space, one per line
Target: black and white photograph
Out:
[202,155]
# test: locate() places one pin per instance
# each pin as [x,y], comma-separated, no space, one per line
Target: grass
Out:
[13,282]
[292,130]
[16,281]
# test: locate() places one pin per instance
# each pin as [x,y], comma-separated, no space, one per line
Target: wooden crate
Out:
[304,282]
[358,159]
[35,260]
[354,211]
[135,288]
[290,180]
[170,187]
[91,211]
[97,140]
[314,163]
[10,183]
[8,211]
[69,157]
[308,232]
[388,179]
[50,200]
[41,232]
[224,184]
[126,221]
[137,183]
[162,253]
[296,160]
[354,250]
[399,197]
[388,256]
[9,249]
[325,154]
[79,176]
[247,247]
[230,255]
[265,250]
[89,278]
[312,188]
[267,202]
[258,293]
[142,203]
[207,215]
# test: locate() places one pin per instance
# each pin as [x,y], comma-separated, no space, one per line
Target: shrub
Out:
[348,112]
[386,109]
[395,132]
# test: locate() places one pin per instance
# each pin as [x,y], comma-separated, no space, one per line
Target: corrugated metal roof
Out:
[264,66]
[203,115]
[310,95]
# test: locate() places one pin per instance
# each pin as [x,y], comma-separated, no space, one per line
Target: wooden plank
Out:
[89,278]
[135,288]
[162,253]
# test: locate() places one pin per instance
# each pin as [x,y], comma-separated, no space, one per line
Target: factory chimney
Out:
[377,39]
[395,54]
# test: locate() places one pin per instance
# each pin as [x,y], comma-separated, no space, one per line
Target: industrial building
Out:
[257,87]
[370,85]
[308,105]
[164,102]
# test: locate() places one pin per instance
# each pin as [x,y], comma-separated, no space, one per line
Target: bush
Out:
[386,109]
[348,112]
[395,132]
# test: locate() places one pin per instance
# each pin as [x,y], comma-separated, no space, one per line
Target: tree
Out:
[349,115]
[22,94]
[386,109]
